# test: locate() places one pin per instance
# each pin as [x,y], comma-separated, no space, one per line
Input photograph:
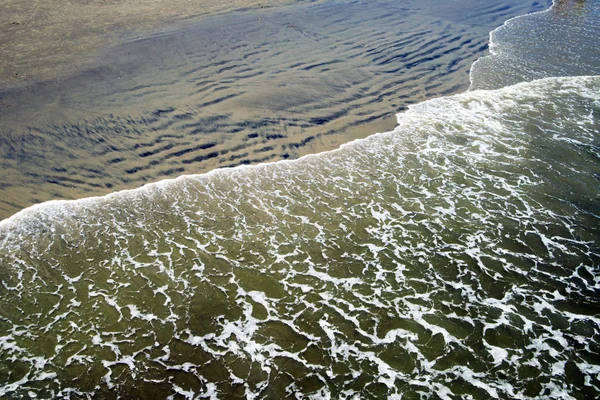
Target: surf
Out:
[454,256]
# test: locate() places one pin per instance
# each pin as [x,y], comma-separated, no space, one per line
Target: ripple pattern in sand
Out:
[242,88]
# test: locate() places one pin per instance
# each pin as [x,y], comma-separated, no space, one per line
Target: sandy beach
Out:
[46,39]
[123,94]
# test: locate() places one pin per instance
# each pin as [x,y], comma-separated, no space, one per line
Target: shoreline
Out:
[241,88]
[153,187]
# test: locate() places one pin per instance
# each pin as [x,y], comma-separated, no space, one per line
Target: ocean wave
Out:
[456,256]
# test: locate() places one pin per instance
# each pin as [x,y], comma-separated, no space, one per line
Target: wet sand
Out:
[237,88]
[44,39]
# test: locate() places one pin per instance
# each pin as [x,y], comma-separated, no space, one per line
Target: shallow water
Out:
[560,42]
[456,256]
[236,89]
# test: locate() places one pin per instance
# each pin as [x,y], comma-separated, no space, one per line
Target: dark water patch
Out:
[190,150]
[136,169]
[206,129]
[92,170]
[156,151]
[201,158]
[205,86]
[259,124]
[171,172]
[104,151]
[253,161]
[274,136]
[264,149]
[233,157]
[67,182]
[249,76]
[141,145]
[399,44]
[116,160]
[228,68]
[162,112]
[371,118]
[240,146]
[313,66]
[195,70]
[219,100]
[206,121]
[220,89]
[302,143]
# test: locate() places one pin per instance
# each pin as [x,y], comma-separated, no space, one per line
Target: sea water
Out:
[454,257]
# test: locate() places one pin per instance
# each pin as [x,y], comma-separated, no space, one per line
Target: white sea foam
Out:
[454,256]
[390,243]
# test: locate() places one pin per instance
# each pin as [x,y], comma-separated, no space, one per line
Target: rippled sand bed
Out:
[42,38]
[238,88]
